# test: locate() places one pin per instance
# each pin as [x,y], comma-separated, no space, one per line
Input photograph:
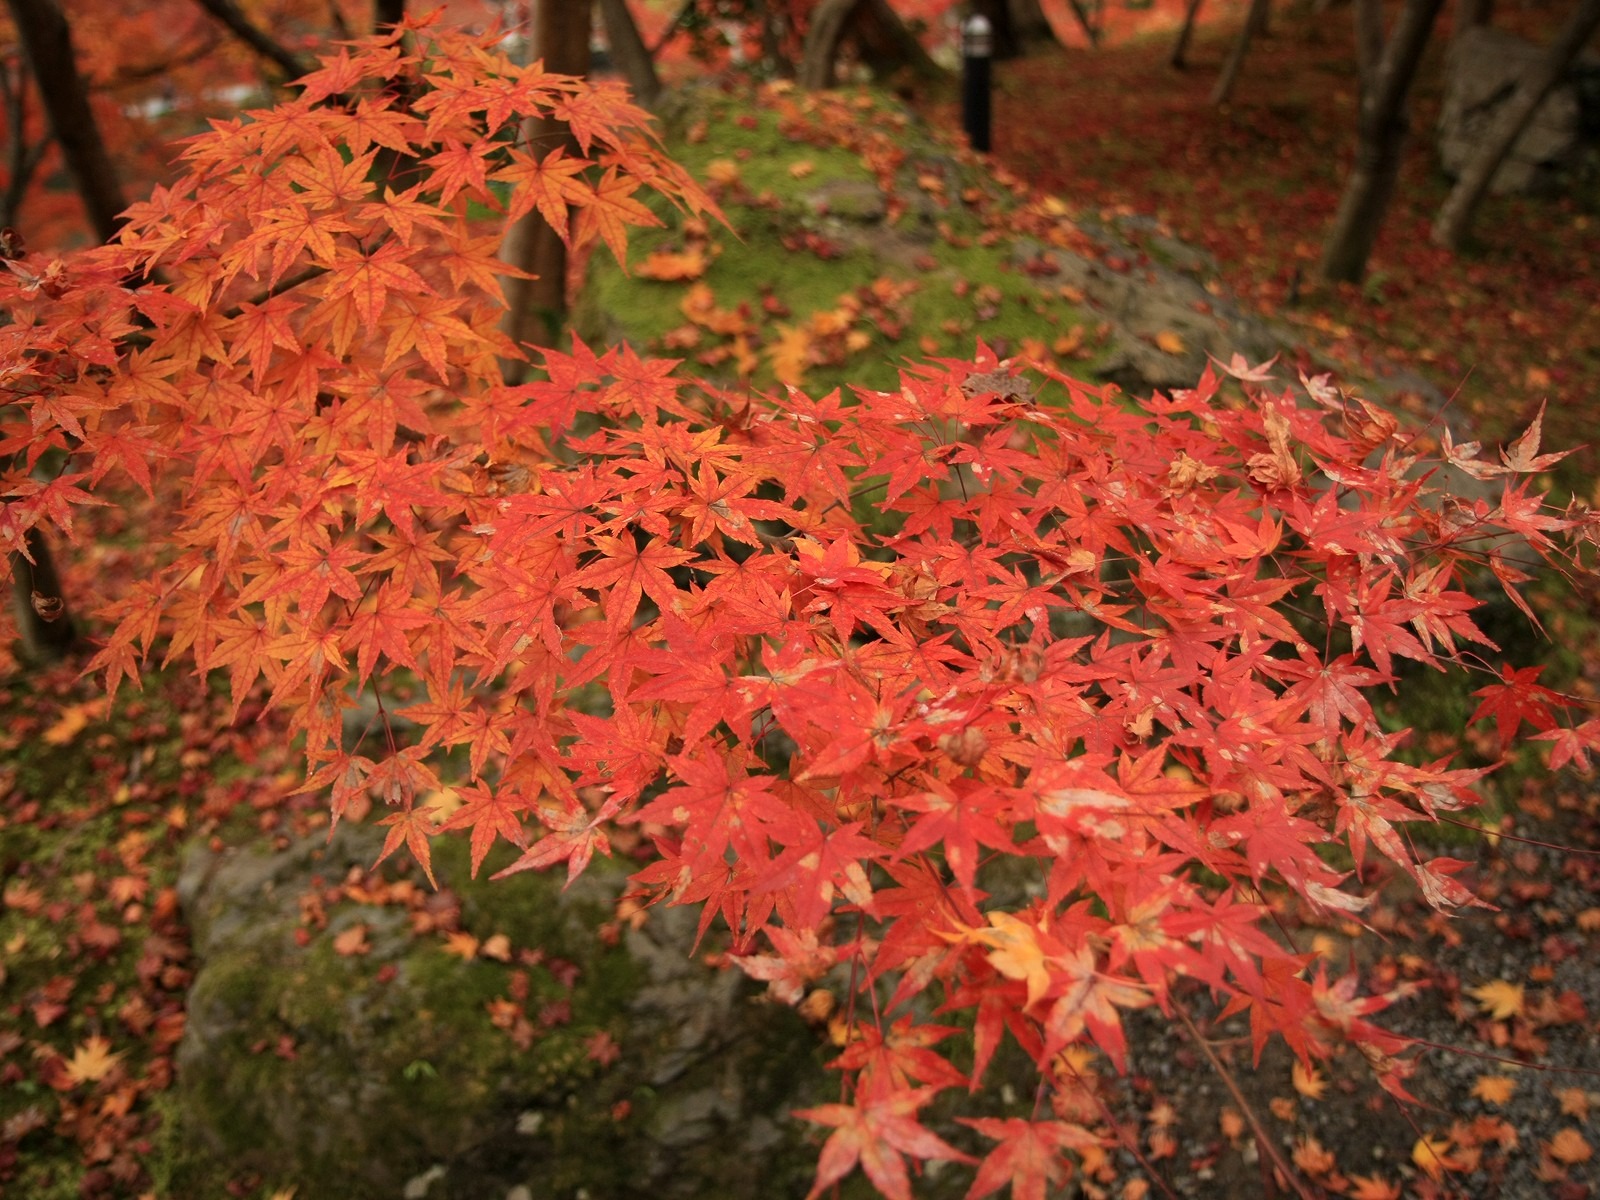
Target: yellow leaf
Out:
[1170,342]
[1569,1147]
[1501,1000]
[441,804]
[1589,920]
[1494,1089]
[1308,1081]
[93,1061]
[790,354]
[1429,1156]
[72,721]
[799,170]
[497,947]
[1312,1157]
[461,944]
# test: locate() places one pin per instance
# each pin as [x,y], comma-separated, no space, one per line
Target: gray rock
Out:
[1483,70]
[380,1075]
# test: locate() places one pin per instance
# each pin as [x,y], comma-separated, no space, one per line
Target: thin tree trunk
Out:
[22,159]
[887,46]
[232,17]
[1455,217]
[536,308]
[1380,141]
[630,52]
[1221,94]
[1180,48]
[47,44]
[45,625]
[1369,40]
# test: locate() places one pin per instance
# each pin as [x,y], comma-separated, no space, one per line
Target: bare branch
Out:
[234,19]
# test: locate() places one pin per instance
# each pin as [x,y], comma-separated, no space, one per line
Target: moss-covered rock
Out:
[369,1060]
[857,240]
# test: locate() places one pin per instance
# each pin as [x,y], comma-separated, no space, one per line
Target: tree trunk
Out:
[1470,14]
[47,44]
[631,55]
[232,18]
[1253,20]
[1455,217]
[537,308]
[386,14]
[886,45]
[1380,141]
[1180,48]
[1369,40]
[1029,23]
[45,625]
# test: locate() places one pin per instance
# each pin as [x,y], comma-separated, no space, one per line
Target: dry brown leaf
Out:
[352,941]
[497,946]
[1574,1102]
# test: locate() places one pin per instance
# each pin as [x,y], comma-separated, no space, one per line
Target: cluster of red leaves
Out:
[833,656]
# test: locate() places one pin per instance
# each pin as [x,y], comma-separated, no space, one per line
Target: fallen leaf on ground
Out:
[93,1061]
[1494,1089]
[1569,1146]
[1501,1000]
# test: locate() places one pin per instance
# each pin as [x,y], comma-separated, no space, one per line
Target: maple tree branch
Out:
[47,45]
[1263,1140]
[287,284]
[232,18]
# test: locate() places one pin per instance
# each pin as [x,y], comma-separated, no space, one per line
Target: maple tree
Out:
[1009,700]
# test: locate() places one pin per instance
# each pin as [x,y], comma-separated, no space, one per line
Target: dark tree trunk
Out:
[1455,217]
[386,14]
[47,44]
[1470,14]
[1029,23]
[1180,48]
[43,621]
[631,54]
[1369,40]
[1254,20]
[232,17]
[886,45]
[1380,141]
[536,308]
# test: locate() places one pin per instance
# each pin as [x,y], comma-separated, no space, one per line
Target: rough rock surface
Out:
[379,1074]
[1562,139]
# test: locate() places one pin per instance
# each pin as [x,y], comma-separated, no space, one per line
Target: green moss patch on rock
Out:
[352,1033]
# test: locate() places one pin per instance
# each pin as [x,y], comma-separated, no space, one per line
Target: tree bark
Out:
[1470,14]
[1380,141]
[1369,40]
[629,51]
[536,308]
[232,18]
[1455,217]
[47,44]
[1180,48]
[1029,23]
[386,14]
[1254,20]
[886,45]
[46,627]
